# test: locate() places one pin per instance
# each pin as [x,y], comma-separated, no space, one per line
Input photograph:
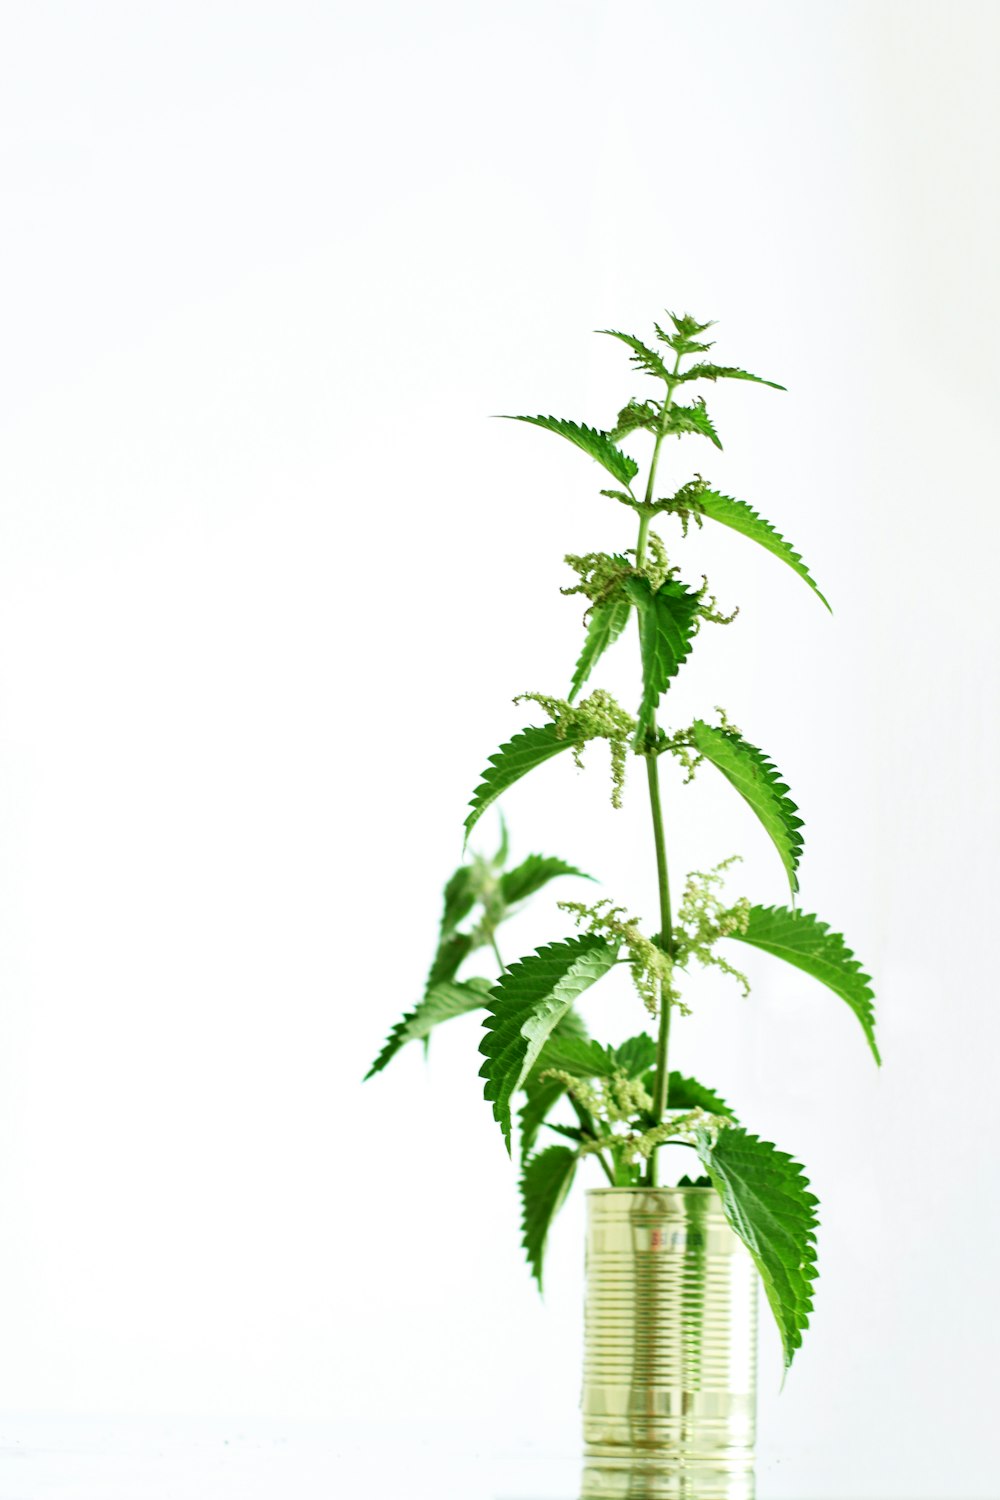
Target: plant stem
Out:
[668,402]
[607,1170]
[661,1088]
[640,546]
[662,1085]
[496,952]
[586,1120]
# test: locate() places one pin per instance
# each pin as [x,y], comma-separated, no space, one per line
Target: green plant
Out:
[626,1102]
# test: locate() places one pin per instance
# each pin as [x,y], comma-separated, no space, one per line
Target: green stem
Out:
[640,546]
[660,431]
[662,1085]
[607,1170]
[496,951]
[587,1122]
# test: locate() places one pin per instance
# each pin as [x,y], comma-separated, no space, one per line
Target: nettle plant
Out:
[625,1101]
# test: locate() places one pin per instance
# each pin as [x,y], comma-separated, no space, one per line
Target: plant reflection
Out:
[649,1482]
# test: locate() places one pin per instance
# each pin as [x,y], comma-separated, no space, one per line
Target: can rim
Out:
[607,1191]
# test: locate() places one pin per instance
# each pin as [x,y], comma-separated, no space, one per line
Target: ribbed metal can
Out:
[670,1347]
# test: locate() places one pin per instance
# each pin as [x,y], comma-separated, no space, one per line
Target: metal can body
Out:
[670,1345]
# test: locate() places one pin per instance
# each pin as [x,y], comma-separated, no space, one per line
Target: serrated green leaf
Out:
[528,749]
[687,326]
[524,1007]
[766,1200]
[636,416]
[459,899]
[808,943]
[635,1055]
[598,444]
[741,517]
[680,343]
[441,1002]
[724,372]
[452,951]
[571,1132]
[605,624]
[500,857]
[688,1093]
[578,1056]
[759,784]
[540,1098]
[532,874]
[692,418]
[545,1183]
[468,885]
[666,626]
[642,357]
[585,1058]
[541,1095]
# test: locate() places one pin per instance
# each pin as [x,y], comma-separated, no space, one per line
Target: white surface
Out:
[160,1460]
[269,578]
[58,1458]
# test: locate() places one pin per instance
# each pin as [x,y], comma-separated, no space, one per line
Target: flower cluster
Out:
[650,966]
[615,1100]
[709,610]
[599,716]
[681,744]
[684,504]
[702,918]
[601,574]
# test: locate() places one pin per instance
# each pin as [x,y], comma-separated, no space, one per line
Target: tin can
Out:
[670,1347]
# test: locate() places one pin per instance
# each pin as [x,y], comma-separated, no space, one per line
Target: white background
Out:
[269,578]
